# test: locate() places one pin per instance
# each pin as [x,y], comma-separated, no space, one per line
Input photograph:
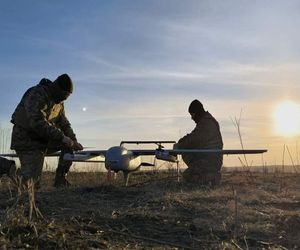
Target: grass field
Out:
[247,211]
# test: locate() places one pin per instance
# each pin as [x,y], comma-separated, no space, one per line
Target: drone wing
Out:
[80,156]
[198,151]
[14,155]
[9,155]
[171,154]
[217,151]
[86,156]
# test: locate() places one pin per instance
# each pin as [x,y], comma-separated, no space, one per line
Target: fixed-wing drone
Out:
[119,158]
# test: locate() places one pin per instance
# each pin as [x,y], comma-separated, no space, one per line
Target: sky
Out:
[136,66]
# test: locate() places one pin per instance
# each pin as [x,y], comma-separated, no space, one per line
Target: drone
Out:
[119,158]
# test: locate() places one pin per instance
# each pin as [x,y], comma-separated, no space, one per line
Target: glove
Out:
[77,146]
[68,142]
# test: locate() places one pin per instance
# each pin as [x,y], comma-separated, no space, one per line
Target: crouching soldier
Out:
[41,127]
[203,169]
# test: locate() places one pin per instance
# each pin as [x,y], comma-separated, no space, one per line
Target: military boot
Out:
[60,177]
[62,170]
[61,181]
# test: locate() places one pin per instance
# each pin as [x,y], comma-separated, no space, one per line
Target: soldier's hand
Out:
[68,142]
[77,146]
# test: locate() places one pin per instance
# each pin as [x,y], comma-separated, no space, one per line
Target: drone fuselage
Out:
[119,158]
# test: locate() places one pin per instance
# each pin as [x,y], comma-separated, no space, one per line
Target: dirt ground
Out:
[247,211]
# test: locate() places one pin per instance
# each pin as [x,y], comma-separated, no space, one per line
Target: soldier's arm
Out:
[35,107]
[64,124]
[192,140]
[188,141]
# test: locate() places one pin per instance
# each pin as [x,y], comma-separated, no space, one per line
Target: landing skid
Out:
[126,178]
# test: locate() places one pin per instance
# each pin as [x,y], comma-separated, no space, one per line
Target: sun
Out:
[286,117]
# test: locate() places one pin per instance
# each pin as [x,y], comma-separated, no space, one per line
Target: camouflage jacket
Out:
[38,119]
[206,135]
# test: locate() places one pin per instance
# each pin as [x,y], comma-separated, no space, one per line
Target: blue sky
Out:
[137,65]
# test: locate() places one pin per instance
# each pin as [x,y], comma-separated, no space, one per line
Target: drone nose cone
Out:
[116,158]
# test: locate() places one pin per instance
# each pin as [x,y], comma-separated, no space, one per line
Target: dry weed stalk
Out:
[264,165]
[282,169]
[24,190]
[295,167]
[237,123]
[297,154]
[33,209]
[292,161]
[235,230]
[19,228]
[283,156]
[236,245]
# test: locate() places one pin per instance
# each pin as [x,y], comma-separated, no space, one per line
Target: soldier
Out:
[41,127]
[203,169]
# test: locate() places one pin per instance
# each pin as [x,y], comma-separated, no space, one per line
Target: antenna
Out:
[158,143]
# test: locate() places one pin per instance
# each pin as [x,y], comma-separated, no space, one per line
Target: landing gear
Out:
[126,178]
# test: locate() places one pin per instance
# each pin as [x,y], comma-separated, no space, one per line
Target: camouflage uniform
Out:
[39,127]
[203,168]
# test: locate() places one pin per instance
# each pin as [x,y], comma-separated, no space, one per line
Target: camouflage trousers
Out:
[203,172]
[32,162]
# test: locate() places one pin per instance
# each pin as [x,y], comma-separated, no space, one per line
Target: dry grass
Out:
[155,212]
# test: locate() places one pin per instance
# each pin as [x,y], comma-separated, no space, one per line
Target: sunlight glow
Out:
[286,117]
